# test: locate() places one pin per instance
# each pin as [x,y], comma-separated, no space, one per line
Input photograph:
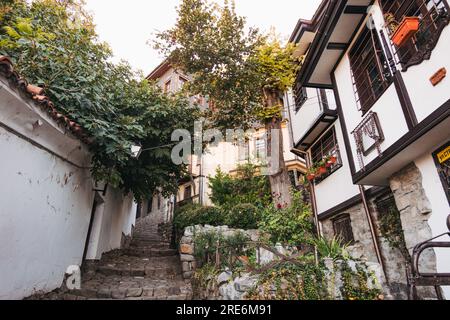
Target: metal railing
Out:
[416,278]
[369,127]
[249,256]
[433,17]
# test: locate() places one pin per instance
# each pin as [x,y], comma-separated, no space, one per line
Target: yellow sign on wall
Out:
[444,155]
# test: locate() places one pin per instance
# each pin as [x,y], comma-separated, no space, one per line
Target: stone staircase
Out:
[147,270]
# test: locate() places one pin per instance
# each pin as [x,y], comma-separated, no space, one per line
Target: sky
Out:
[129,25]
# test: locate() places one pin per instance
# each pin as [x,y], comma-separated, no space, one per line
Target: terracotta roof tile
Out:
[37,95]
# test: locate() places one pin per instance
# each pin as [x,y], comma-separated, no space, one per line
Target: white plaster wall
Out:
[424,97]
[338,187]
[304,118]
[440,208]
[45,206]
[388,109]
[114,217]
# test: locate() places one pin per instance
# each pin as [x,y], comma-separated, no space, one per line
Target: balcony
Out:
[415,28]
[315,112]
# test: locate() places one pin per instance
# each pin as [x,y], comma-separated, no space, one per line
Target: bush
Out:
[243,216]
[246,187]
[293,225]
[194,214]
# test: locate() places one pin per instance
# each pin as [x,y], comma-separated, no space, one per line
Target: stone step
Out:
[168,272]
[128,290]
[150,252]
[142,243]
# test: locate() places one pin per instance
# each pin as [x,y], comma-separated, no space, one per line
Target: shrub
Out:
[208,244]
[333,248]
[293,225]
[243,216]
[194,214]
[246,187]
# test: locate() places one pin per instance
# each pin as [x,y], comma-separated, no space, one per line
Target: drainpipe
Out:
[312,191]
[373,232]
[200,191]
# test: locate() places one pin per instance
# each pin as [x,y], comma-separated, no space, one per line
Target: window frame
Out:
[333,151]
[338,221]
[367,51]
[301,96]
[416,49]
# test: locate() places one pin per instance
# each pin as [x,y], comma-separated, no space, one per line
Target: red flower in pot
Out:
[331,161]
[322,170]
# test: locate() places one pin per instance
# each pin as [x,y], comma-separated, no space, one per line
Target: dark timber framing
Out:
[439,115]
[353,201]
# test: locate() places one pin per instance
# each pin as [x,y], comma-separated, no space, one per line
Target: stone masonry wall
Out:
[363,248]
[187,244]
[415,210]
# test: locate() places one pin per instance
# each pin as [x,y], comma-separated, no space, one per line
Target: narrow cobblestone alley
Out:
[147,270]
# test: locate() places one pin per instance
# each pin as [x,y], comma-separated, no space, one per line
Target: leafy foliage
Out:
[230,64]
[331,248]
[246,187]
[289,225]
[242,72]
[355,284]
[291,282]
[209,244]
[194,214]
[243,216]
[54,45]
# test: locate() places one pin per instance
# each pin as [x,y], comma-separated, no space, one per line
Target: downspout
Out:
[312,191]
[200,191]
[373,232]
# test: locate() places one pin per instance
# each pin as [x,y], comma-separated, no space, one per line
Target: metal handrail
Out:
[420,279]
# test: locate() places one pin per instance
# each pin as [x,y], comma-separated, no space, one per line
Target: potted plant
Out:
[391,23]
[406,29]
[331,161]
[311,174]
[321,168]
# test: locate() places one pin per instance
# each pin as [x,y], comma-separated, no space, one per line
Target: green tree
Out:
[242,72]
[53,44]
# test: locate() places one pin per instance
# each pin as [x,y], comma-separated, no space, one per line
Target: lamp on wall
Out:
[136,150]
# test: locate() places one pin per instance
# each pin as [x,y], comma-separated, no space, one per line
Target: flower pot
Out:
[322,170]
[331,161]
[407,28]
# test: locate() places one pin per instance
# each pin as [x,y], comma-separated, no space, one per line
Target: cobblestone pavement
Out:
[147,270]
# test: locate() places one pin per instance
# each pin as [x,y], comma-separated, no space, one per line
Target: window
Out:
[182,82]
[261,151]
[167,86]
[342,226]
[187,192]
[325,147]
[293,176]
[433,16]
[244,151]
[301,96]
[370,70]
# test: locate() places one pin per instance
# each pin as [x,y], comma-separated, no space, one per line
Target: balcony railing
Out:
[433,17]
[368,136]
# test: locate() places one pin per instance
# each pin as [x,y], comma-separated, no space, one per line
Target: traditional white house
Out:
[226,155]
[52,214]
[386,62]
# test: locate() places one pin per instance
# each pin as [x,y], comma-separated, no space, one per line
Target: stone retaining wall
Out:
[187,247]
